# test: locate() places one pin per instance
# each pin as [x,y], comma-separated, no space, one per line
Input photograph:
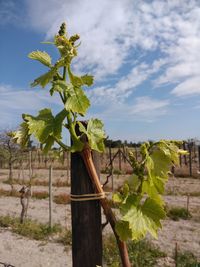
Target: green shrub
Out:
[29,228]
[177,213]
[65,238]
[187,259]
[142,253]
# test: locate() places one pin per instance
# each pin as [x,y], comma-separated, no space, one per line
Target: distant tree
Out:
[9,151]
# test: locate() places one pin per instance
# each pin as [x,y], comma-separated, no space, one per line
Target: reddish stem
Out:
[87,158]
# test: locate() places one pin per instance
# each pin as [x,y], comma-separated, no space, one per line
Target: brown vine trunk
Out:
[87,158]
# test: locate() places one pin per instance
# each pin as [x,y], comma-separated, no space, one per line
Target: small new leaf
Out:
[44,79]
[80,81]
[21,136]
[43,57]
[94,133]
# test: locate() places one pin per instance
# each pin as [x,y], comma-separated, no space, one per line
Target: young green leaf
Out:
[22,135]
[44,79]
[77,101]
[94,133]
[144,218]
[43,57]
[123,230]
[45,127]
[80,81]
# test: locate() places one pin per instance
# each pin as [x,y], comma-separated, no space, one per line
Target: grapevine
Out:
[140,199]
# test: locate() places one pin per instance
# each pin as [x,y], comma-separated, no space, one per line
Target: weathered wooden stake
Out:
[30,165]
[184,156]
[86,217]
[111,166]
[190,158]
[120,160]
[199,156]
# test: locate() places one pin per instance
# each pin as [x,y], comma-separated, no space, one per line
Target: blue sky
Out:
[145,56]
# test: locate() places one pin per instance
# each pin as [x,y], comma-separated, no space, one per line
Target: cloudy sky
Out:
[145,56]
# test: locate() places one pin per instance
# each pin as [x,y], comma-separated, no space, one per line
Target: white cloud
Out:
[104,26]
[141,109]
[159,40]
[110,29]
[14,102]
[188,87]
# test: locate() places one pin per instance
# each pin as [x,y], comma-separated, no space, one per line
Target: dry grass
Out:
[62,198]
[39,182]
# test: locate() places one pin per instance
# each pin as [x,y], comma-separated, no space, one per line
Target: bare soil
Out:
[22,252]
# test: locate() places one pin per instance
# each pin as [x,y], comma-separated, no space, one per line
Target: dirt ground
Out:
[22,252]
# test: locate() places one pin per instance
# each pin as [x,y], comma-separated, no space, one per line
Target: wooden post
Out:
[30,165]
[86,218]
[68,167]
[120,161]
[184,156]
[190,158]
[199,156]
[111,166]
[180,160]
[50,196]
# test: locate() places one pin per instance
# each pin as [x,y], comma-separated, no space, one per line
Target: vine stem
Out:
[87,158]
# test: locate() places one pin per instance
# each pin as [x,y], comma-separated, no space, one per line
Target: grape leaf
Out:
[45,127]
[144,218]
[80,81]
[94,133]
[21,136]
[77,101]
[44,79]
[123,231]
[77,145]
[153,191]
[43,57]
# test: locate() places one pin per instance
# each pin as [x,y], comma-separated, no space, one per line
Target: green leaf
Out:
[80,81]
[77,101]
[59,118]
[21,136]
[162,164]
[134,182]
[94,133]
[61,86]
[43,57]
[48,144]
[77,145]
[87,80]
[44,79]
[45,127]
[153,191]
[123,231]
[122,196]
[42,125]
[145,218]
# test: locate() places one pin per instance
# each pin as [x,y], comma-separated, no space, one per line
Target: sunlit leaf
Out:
[145,218]
[43,57]
[44,79]
[77,101]
[94,133]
